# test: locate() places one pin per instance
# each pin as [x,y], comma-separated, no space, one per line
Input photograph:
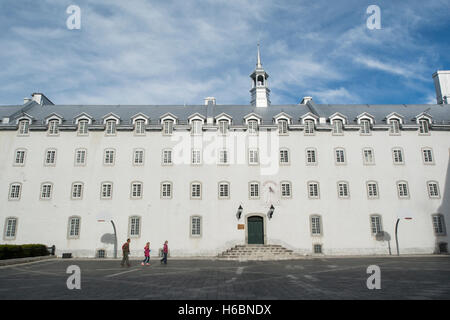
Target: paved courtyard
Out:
[318,278]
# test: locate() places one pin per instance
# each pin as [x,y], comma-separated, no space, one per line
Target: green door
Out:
[255,230]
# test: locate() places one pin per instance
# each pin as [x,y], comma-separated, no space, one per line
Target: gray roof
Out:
[439,113]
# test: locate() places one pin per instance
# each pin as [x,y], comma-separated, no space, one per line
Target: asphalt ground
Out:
[319,278]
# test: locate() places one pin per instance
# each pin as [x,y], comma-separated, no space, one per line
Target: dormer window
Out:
[365,126]
[83,127]
[338,126]
[282,126]
[196,127]
[24,127]
[223,127]
[252,126]
[111,127]
[394,126]
[139,127]
[424,126]
[53,127]
[168,127]
[309,127]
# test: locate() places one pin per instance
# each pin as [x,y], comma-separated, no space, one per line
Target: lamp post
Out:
[115,236]
[239,212]
[270,212]
[396,233]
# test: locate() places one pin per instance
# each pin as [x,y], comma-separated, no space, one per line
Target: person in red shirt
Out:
[165,251]
[146,254]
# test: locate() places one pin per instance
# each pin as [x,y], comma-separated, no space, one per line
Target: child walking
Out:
[146,254]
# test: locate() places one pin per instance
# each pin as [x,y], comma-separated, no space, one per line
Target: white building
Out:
[335,175]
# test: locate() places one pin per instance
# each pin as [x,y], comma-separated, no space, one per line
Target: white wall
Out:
[346,224]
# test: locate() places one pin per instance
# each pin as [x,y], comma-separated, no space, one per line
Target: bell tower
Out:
[259,91]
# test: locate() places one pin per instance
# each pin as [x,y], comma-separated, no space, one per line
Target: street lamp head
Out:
[270,212]
[239,212]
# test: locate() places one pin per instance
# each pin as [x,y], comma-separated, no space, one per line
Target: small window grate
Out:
[317,248]
[101,253]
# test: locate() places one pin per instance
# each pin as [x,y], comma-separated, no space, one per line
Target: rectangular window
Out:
[111,127]
[365,127]
[337,127]
[376,224]
[254,190]
[11,228]
[80,157]
[402,190]
[195,226]
[20,157]
[282,127]
[106,190]
[311,158]
[196,127]
[138,158]
[372,190]
[309,127]
[427,156]
[424,127]
[253,156]
[318,248]
[398,156]
[343,190]
[166,190]
[46,191]
[438,224]
[285,189]
[284,156]
[433,190]
[395,127]
[74,227]
[24,127]
[340,156]
[83,127]
[135,226]
[140,127]
[315,225]
[313,190]
[53,127]
[223,156]
[167,157]
[167,127]
[136,190]
[196,190]
[14,192]
[77,191]
[196,156]
[223,127]
[109,157]
[224,190]
[252,126]
[368,156]
[50,157]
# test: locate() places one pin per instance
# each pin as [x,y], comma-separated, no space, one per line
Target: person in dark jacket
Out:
[126,252]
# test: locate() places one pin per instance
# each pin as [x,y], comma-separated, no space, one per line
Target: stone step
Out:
[257,252]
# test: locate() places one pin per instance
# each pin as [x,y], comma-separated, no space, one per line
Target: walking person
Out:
[126,252]
[146,254]
[165,251]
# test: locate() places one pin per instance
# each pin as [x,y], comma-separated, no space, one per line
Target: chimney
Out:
[37,97]
[441,80]
[26,100]
[305,100]
[210,100]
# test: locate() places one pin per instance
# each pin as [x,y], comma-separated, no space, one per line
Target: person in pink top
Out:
[147,254]
[165,251]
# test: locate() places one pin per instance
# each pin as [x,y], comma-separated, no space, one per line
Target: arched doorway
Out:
[255,230]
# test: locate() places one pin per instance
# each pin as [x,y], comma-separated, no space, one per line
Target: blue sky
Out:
[176,52]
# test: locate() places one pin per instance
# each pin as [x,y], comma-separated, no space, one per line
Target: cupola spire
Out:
[260,91]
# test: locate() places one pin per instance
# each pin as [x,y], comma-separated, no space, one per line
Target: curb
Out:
[10,262]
